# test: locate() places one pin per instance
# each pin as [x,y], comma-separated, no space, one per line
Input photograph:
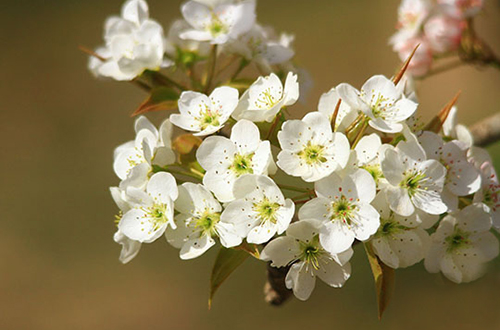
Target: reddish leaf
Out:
[161,98]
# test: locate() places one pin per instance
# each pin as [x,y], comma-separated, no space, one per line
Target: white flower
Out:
[184,51]
[456,131]
[266,97]
[130,248]
[152,211]
[262,46]
[380,100]
[444,33]
[205,114]
[134,43]
[400,241]
[301,249]
[489,194]
[462,178]
[461,8]
[462,245]
[259,210]
[198,223]
[218,24]
[343,206]
[412,14]
[310,149]
[413,180]
[328,103]
[134,160]
[227,159]
[369,153]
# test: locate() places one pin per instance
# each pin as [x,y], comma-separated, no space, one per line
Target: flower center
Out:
[207,221]
[313,154]
[457,240]
[311,252]
[242,164]
[216,26]
[491,197]
[266,210]
[413,182]
[208,118]
[343,209]
[266,99]
[379,106]
[157,215]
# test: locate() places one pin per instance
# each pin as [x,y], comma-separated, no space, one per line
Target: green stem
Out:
[188,174]
[292,188]
[161,78]
[364,126]
[243,64]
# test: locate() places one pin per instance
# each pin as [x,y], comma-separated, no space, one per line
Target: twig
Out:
[211,68]
[275,291]
[486,131]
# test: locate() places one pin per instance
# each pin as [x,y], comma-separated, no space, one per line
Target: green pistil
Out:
[457,240]
[208,118]
[342,209]
[207,222]
[375,171]
[217,27]
[413,182]
[389,227]
[266,210]
[158,214]
[242,164]
[311,252]
[378,108]
[313,154]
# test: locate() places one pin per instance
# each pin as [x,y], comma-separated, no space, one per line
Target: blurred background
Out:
[59,126]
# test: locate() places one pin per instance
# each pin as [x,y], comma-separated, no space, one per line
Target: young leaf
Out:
[384,279]
[186,146]
[161,98]
[227,261]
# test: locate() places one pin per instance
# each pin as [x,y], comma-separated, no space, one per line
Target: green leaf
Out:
[384,279]
[161,98]
[227,261]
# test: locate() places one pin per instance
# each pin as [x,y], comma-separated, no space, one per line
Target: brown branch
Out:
[486,131]
[275,291]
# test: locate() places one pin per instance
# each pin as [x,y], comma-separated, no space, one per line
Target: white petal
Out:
[194,248]
[300,281]
[162,187]
[130,248]
[333,274]
[246,136]
[291,89]
[281,251]
[335,238]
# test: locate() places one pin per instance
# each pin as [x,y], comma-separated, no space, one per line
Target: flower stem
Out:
[360,133]
[243,64]
[292,188]
[353,124]
[212,61]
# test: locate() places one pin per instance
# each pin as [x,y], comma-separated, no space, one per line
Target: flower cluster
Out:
[301,192]
[437,26]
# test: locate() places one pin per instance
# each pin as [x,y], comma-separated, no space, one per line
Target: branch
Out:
[275,290]
[486,131]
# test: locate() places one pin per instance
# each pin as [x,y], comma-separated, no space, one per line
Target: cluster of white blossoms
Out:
[301,192]
[436,26]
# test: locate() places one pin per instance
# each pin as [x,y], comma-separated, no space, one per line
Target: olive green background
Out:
[58,129]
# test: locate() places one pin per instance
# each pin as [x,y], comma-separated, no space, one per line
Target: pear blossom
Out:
[412,14]
[454,131]
[130,248]
[259,210]
[414,181]
[199,223]
[462,178]
[134,43]
[225,160]
[462,244]
[327,105]
[379,99]
[343,207]
[489,194]
[262,46]
[421,61]
[400,241]
[152,210]
[461,8]
[266,97]
[217,24]
[181,50]
[369,153]
[302,251]
[444,33]
[203,114]
[134,160]
[310,149]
